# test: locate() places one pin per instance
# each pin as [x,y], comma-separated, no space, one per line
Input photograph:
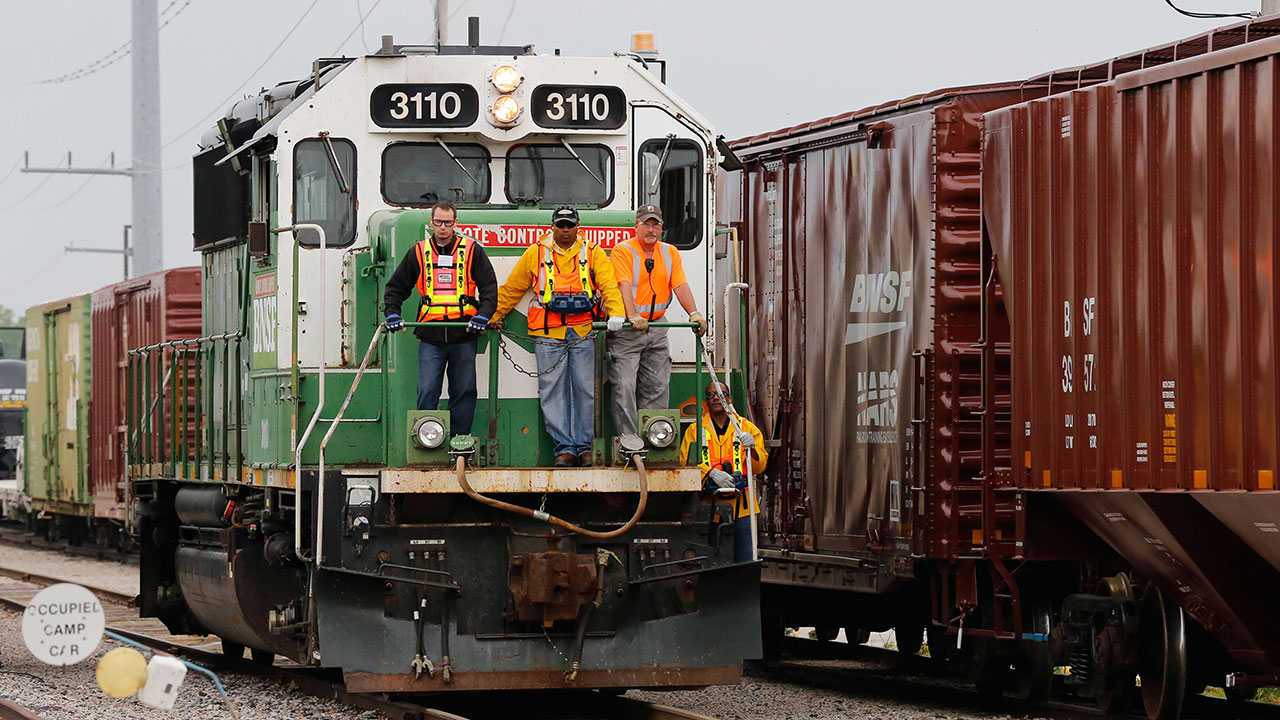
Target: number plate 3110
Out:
[415,105]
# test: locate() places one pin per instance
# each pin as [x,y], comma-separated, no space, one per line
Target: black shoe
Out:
[584,460]
[566,460]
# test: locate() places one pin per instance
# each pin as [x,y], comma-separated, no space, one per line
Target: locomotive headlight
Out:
[660,433]
[506,109]
[506,78]
[430,433]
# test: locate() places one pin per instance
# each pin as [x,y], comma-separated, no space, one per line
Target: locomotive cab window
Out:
[422,174]
[324,190]
[671,178]
[559,174]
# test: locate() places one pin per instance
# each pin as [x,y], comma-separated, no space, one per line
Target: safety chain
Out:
[502,345]
[553,645]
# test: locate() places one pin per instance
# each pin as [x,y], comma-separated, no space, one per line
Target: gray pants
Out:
[640,372]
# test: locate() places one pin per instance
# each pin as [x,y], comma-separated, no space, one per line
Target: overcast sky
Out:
[748,65]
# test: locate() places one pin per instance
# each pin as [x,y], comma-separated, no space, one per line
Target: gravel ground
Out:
[114,576]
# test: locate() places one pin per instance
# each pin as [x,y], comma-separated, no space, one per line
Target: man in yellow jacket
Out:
[572,283]
[723,458]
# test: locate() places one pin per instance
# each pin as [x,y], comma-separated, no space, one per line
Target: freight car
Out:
[303,506]
[888,251]
[74,477]
[13,399]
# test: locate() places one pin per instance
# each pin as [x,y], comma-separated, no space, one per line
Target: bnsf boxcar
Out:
[1133,225]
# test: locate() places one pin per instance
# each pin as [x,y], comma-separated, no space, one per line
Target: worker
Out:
[456,283]
[723,460]
[649,273]
[572,283]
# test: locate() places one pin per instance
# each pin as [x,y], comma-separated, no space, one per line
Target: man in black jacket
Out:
[456,282]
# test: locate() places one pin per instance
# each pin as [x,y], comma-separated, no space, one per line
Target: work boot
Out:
[584,460]
[566,460]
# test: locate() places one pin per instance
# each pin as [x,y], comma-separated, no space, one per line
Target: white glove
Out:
[746,439]
[614,324]
[721,478]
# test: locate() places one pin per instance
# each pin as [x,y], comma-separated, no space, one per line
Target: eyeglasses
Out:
[652,223]
[443,223]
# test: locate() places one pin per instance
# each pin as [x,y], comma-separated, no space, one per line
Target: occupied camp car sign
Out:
[63,624]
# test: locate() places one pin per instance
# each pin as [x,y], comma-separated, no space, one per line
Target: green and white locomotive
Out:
[288,495]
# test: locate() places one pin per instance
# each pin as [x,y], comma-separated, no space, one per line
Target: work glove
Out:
[496,324]
[614,324]
[477,324]
[745,439]
[696,317]
[639,322]
[721,479]
[394,323]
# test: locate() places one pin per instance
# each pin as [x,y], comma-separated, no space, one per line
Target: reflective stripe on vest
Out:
[654,310]
[550,283]
[448,302]
[706,449]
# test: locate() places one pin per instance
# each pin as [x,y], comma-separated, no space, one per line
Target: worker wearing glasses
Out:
[456,282]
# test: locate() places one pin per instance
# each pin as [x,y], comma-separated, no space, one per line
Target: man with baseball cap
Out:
[572,283]
[649,273]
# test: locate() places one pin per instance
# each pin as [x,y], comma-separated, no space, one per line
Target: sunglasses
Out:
[565,224]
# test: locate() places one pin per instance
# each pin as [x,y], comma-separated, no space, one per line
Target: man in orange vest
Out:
[456,282]
[572,284]
[724,454]
[649,274]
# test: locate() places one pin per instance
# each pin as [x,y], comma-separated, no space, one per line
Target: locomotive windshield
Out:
[560,174]
[670,177]
[323,196]
[422,174]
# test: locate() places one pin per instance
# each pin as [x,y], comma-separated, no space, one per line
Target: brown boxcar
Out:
[154,308]
[1134,225]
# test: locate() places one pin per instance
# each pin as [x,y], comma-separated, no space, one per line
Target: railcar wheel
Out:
[909,636]
[1117,693]
[262,657]
[233,650]
[826,632]
[940,646]
[1032,667]
[1162,655]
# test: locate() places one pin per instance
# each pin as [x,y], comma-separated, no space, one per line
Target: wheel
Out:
[262,657]
[909,636]
[1032,667]
[233,650]
[1162,655]
[1116,695]
[940,646]
[826,632]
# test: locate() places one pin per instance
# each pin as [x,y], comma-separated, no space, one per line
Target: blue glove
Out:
[478,324]
[394,323]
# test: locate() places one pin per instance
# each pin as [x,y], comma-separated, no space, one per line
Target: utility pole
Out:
[125,253]
[148,248]
[1270,7]
[442,21]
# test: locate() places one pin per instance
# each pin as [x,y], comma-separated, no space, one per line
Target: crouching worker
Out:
[572,284]
[723,458]
[456,281]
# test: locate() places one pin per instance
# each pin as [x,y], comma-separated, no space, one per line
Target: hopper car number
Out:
[408,105]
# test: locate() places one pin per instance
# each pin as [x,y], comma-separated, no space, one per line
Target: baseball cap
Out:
[565,215]
[648,212]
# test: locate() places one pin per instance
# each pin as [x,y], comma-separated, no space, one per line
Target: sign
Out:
[63,624]
[593,107]
[265,327]
[419,105]
[526,235]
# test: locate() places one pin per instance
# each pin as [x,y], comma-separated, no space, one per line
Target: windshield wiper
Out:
[464,169]
[333,159]
[581,162]
[662,163]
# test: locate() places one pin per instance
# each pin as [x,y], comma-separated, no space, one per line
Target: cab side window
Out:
[324,190]
[671,178]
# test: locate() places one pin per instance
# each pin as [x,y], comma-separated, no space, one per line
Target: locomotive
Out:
[1015,343]
[287,494]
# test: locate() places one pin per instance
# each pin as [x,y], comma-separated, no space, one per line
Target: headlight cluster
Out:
[506,108]
[660,433]
[430,433]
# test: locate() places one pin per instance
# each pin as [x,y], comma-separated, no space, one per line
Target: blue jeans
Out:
[459,360]
[567,393]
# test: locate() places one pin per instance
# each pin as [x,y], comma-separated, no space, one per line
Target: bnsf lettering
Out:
[880,292]
[264,324]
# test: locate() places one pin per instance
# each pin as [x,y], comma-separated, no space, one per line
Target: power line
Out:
[12,170]
[34,190]
[510,12]
[38,273]
[458,9]
[1211,16]
[75,192]
[356,28]
[363,40]
[112,57]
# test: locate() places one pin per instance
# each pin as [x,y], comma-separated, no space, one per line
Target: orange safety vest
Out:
[551,282]
[447,288]
[661,300]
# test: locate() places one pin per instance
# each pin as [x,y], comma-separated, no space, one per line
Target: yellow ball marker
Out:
[122,672]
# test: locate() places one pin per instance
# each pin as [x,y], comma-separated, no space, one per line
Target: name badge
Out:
[445,261]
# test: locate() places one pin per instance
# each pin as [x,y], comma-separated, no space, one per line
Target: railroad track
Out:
[317,682]
[878,672]
[11,534]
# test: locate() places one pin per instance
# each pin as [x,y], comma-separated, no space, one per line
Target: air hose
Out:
[552,519]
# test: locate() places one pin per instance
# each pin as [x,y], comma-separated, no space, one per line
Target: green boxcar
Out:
[57,415]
